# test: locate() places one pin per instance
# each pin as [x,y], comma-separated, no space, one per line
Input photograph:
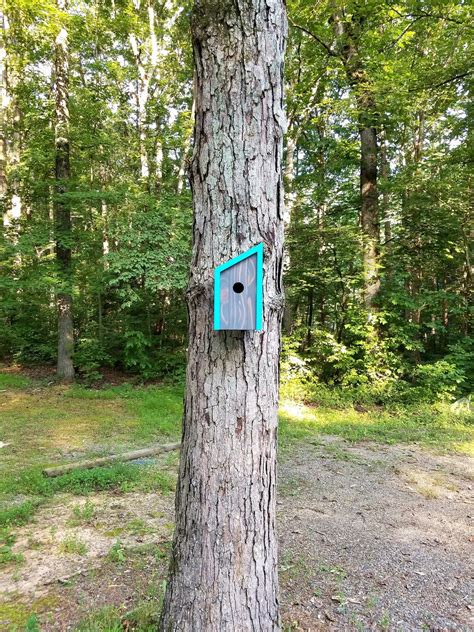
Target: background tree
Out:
[62,211]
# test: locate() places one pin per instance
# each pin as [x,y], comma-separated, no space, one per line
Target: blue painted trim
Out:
[217,294]
[256,250]
[259,302]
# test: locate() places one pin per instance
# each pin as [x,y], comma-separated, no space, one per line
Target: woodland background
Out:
[377,279]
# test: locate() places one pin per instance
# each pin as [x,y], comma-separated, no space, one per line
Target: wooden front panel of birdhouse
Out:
[238,295]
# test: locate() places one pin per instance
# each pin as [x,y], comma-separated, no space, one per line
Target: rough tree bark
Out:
[385,174]
[62,212]
[223,571]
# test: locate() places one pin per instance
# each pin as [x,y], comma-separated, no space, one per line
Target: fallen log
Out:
[59,470]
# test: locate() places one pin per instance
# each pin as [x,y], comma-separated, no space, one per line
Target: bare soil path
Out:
[372,537]
[376,537]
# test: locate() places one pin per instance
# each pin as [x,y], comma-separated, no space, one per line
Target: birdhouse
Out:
[238,292]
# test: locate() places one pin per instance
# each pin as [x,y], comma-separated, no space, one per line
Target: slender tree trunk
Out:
[143,87]
[290,200]
[10,139]
[385,174]
[62,213]
[158,161]
[309,320]
[416,269]
[369,213]
[146,67]
[184,155]
[3,111]
[223,572]
[467,224]
[347,30]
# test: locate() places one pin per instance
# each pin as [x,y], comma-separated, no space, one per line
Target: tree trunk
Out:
[184,155]
[290,199]
[223,572]
[62,213]
[347,30]
[9,138]
[3,111]
[369,213]
[146,67]
[385,174]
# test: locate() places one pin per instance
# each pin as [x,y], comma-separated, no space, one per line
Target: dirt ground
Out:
[371,538]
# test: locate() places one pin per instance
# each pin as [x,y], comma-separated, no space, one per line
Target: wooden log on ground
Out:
[113,458]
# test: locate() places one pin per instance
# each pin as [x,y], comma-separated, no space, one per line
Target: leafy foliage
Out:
[130,135]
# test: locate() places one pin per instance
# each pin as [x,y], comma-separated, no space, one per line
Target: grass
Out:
[22,616]
[106,619]
[7,556]
[143,618]
[83,514]
[12,380]
[121,477]
[144,615]
[432,426]
[73,546]
[17,515]
[58,424]
[117,553]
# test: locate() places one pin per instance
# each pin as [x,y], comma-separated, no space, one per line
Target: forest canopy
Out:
[95,147]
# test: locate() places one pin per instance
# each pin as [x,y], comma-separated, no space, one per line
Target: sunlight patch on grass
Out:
[19,613]
[58,424]
[431,426]
[293,409]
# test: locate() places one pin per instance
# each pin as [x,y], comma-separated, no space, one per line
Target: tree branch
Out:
[326,47]
[442,83]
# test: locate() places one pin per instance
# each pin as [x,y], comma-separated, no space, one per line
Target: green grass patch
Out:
[153,479]
[144,617]
[117,553]
[18,613]
[107,619]
[83,514]
[45,427]
[81,482]
[430,425]
[73,546]
[124,477]
[7,556]
[17,515]
[158,409]
[12,380]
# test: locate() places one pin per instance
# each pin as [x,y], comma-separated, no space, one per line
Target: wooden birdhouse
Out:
[238,292]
